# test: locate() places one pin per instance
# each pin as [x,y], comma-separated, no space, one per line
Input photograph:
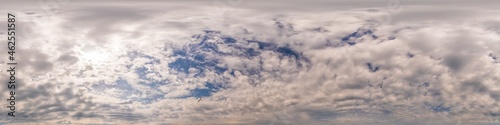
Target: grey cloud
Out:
[333,85]
[36,92]
[80,115]
[68,59]
[474,85]
[433,13]
[41,103]
[101,20]
[108,14]
[128,116]
[455,62]
[33,60]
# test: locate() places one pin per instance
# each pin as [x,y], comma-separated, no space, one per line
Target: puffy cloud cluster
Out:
[120,65]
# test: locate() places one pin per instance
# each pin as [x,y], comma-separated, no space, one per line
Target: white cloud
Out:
[428,65]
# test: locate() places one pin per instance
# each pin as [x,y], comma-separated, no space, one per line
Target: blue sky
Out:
[256,62]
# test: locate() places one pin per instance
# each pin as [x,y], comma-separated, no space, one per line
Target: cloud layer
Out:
[231,63]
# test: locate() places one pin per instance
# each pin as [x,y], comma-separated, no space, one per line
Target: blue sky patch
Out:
[205,92]
[288,52]
[351,38]
[372,68]
[440,108]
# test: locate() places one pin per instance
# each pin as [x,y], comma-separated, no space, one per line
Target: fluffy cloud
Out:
[238,65]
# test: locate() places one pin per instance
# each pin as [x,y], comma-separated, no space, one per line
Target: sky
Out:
[293,62]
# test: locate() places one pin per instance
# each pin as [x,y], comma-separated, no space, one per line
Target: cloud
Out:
[126,65]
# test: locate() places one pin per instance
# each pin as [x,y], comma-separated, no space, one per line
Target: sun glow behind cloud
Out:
[95,55]
[135,65]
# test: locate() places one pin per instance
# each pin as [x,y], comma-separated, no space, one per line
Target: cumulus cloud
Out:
[228,62]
